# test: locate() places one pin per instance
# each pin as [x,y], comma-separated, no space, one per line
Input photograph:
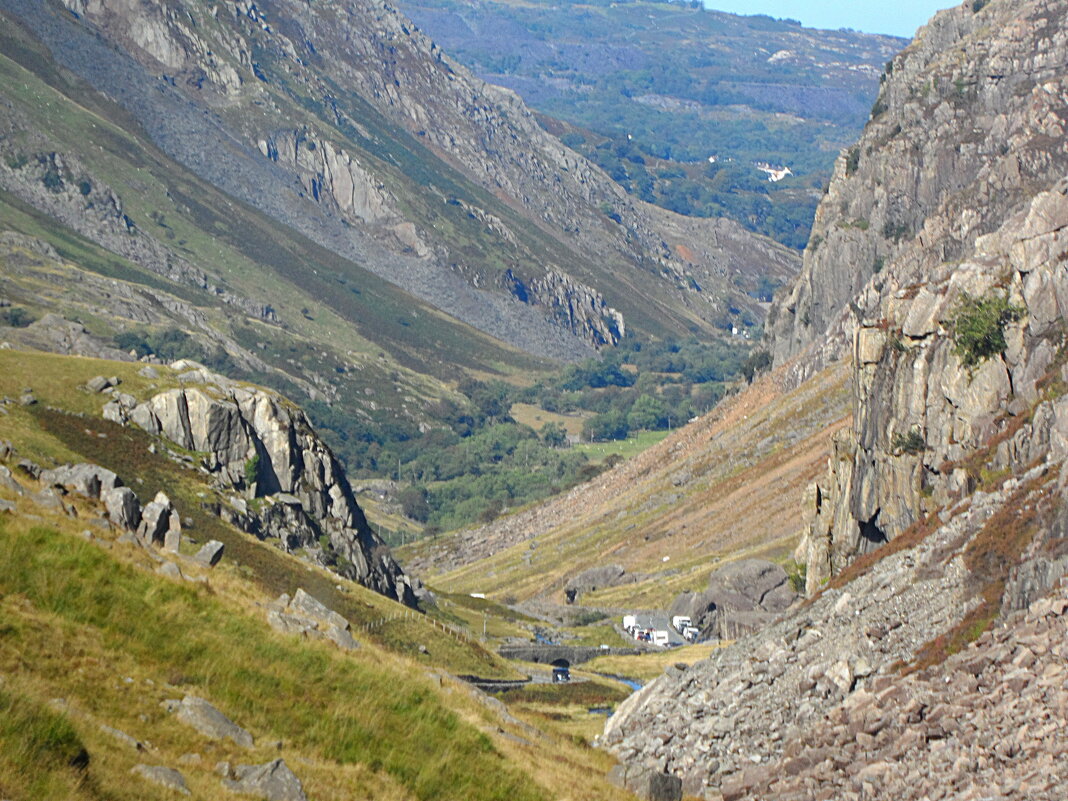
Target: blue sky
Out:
[900,17]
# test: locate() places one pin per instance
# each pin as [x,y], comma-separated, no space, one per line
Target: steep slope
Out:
[953,226]
[269,473]
[352,127]
[129,670]
[949,485]
[969,126]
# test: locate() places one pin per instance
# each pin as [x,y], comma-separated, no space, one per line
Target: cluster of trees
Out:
[479,460]
[731,189]
[640,386]
[476,460]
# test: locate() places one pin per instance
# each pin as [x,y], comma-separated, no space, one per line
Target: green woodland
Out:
[480,461]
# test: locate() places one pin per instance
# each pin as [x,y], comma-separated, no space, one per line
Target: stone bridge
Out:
[571,654]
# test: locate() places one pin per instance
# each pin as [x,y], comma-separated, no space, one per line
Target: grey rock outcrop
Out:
[209,721]
[123,508]
[123,737]
[90,480]
[61,185]
[308,617]
[962,136]
[920,412]
[261,445]
[210,553]
[55,334]
[99,383]
[593,579]
[273,781]
[646,783]
[163,776]
[742,597]
[160,524]
[9,482]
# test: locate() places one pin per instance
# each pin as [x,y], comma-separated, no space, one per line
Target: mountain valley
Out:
[303,325]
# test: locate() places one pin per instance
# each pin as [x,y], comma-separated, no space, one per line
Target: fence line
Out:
[447,628]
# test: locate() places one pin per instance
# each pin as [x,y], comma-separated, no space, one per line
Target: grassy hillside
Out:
[88,621]
[379,370]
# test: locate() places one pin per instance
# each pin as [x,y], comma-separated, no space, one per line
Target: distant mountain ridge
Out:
[651,90]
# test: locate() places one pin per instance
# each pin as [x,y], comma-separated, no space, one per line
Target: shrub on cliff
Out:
[978,325]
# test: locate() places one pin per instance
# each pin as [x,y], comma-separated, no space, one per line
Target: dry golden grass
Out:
[89,621]
[111,671]
[645,667]
[536,417]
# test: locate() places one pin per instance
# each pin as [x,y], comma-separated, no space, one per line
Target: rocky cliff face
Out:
[288,484]
[969,125]
[954,463]
[935,205]
[929,428]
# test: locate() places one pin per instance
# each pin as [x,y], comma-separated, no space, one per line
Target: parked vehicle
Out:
[661,638]
[630,622]
[680,623]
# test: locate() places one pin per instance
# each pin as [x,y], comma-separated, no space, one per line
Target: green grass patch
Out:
[352,709]
[41,755]
[625,448]
[978,326]
[574,693]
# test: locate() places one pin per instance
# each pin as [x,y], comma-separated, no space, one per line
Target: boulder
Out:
[306,616]
[594,579]
[123,738]
[273,781]
[160,523]
[258,444]
[86,479]
[209,554]
[97,384]
[49,498]
[742,596]
[166,777]
[210,722]
[122,507]
[32,469]
[646,783]
[171,570]
[8,481]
